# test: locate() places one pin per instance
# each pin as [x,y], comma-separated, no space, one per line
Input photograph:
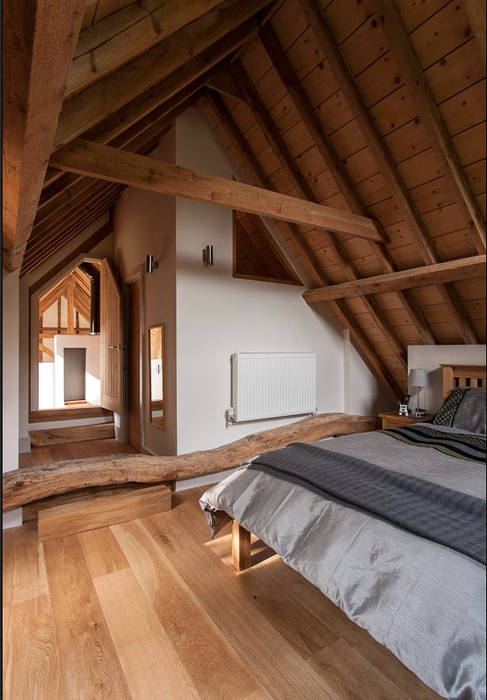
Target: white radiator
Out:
[271,385]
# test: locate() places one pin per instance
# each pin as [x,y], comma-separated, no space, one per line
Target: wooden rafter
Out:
[95,160]
[412,74]
[384,159]
[404,279]
[120,37]
[39,41]
[110,94]
[282,152]
[303,249]
[340,176]
[476,12]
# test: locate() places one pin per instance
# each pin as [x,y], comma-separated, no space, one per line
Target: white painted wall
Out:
[10,384]
[93,363]
[218,315]
[430,357]
[144,222]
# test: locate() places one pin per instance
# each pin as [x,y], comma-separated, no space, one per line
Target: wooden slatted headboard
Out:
[462,375]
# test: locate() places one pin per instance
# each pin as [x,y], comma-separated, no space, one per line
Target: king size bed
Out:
[390,525]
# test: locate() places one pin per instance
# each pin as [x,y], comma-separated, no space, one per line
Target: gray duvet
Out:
[422,600]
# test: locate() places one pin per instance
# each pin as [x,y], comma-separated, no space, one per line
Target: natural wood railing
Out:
[23,486]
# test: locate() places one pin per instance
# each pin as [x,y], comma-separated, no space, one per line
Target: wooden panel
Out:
[240,547]
[79,516]
[67,413]
[134,394]
[81,433]
[111,340]
[462,375]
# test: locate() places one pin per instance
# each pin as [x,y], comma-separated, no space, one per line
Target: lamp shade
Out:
[418,378]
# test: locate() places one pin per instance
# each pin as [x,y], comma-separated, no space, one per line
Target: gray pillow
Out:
[470,413]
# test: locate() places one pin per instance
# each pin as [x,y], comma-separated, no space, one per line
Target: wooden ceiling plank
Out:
[96,160]
[115,47]
[326,42]
[334,164]
[224,83]
[111,93]
[429,113]
[72,194]
[39,42]
[464,268]
[476,15]
[339,309]
[166,112]
[282,152]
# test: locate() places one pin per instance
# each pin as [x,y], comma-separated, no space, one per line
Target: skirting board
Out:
[79,516]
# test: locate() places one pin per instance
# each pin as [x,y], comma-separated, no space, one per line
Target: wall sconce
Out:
[151,264]
[208,255]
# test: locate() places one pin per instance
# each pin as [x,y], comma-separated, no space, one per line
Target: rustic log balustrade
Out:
[24,486]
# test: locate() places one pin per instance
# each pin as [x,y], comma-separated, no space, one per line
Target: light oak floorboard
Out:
[152,608]
[150,662]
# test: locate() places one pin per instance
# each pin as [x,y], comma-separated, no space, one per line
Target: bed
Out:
[417,586]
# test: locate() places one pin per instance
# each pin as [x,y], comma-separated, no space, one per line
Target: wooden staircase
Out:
[81,433]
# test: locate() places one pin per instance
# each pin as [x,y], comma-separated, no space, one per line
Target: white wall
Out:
[218,315]
[144,222]
[93,361]
[10,381]
[430,357]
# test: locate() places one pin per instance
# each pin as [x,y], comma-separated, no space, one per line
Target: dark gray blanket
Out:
[435,512]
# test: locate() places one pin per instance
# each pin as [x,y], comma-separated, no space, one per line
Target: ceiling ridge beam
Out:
[84,110]
[388,167]
[111,48]
[430,115]
[281,150]
[450,271]
[339,309]
[285,70]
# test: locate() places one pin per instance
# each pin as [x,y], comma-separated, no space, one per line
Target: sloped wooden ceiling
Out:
[371,106]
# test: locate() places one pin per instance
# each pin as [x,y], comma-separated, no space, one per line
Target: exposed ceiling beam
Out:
[337,170]
[476,12]
[106,163]
[304,252]
[224,83]
[450,271]
[107,45]
[326,42]
[39,41]
[413,76]
[102,99]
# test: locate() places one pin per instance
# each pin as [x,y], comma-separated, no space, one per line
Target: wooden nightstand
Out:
[394,420]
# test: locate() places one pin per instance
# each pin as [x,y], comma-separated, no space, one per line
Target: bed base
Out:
[241,556]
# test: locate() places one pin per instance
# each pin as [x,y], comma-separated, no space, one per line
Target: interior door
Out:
[111,340]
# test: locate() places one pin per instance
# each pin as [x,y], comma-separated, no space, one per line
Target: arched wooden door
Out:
[111,340]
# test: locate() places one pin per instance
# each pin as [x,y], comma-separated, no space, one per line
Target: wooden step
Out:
[102,511]
[80,433]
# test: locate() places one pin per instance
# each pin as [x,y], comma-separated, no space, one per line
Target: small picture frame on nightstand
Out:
[404,406]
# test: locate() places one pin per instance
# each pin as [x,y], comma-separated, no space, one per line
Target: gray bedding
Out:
[420,599]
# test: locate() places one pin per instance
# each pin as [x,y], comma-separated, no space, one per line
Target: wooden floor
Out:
[75,450]
[153,609]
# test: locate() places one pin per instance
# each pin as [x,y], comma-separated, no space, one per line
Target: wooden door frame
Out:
[138,279]
[34,297]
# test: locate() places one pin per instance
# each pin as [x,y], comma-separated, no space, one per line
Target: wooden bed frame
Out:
[453,377]
[462,375]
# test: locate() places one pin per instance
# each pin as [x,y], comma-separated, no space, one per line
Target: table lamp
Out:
[418,378]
